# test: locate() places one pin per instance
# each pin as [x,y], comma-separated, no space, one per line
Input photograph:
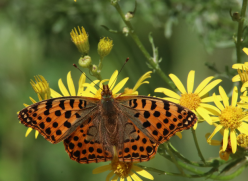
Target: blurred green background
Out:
[35,40]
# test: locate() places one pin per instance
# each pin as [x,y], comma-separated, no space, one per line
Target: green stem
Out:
[198,173]
[173,159]
[136,39]
[207,164]
[197,146]
[240,31]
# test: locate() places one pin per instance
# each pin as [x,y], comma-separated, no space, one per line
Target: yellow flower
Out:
[41,87]
[81,40]
[96,93]
[104,47]
[123,170]
[230,118]
[195,101]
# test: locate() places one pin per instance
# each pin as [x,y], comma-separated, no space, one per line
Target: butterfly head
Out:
[106,92]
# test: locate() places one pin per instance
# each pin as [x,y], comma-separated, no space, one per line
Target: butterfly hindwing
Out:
[137,146]
[83,146]
[57,118]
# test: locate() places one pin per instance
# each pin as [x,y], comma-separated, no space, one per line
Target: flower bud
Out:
[104,47]
[128,16]
[125,31]
[94,69]
[84,61]
[81,40]
[41,87]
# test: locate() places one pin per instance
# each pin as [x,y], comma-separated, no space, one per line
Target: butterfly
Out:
[95,130]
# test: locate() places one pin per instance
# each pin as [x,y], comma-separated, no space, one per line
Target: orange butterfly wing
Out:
[77,120]
[155,121]
[56,119]
[82,145]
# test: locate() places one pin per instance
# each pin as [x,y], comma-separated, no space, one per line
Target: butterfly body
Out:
[96,130]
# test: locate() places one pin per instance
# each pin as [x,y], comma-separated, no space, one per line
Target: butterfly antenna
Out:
[86,75]
[120,71]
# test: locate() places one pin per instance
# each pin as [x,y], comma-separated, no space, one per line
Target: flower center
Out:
[231,117]
[191,101]
[128,91]
[122,169]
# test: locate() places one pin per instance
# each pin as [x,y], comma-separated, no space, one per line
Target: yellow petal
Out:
[236,78]
[244,98]
[129,178]
[225,139]
[190,81]
[36,134]
[234,96]
[233,140]
[211,99]
[201,111]
[212,142]
[224,97]
[70,84]
[112,80]
[214,132]
[243,105]
[33,101]
[122,179]
[101,169]
[203,84]
[120,85]
[134,176]
[178,83]
[215,119]
[80,84]
[238,66]
[141,80]
[214,110]
[171,100]
[55,94]
[90,88]
[109,175]
[63,88]
[26,105]
[244,86]
[244,125]
[28,131]
[167,92]
[39,97]
[217,102]
[209,87]
[245,50]
[242,129]
[142,172]
[179,134]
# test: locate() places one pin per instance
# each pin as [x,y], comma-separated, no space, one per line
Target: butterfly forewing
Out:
[56,119]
